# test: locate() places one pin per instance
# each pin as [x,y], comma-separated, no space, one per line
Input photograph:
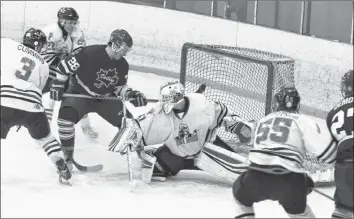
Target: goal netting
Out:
[245,80]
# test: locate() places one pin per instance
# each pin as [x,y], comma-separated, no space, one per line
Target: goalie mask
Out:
[170,94]
[287,99]
[347,84]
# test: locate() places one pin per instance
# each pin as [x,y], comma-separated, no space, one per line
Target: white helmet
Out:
[170,94]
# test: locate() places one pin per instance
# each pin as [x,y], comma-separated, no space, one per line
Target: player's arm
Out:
[318,141]
[79,42]
[122,89]
[67,67]
[44,73]
[220,110]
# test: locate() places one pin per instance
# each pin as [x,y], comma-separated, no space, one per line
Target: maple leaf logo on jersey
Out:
[106,78]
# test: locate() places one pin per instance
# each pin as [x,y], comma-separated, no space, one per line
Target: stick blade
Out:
[94,168]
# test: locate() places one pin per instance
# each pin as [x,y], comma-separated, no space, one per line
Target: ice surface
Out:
[30,188]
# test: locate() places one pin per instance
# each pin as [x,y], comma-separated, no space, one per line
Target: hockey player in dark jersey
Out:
[340,125]
[96,71]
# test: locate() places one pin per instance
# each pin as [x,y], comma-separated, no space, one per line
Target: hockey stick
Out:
[82,168]
[102,97]
[200,90]
[323,194]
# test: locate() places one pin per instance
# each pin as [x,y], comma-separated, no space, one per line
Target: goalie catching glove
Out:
[244,130]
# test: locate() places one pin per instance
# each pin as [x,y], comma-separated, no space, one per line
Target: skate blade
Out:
[158,178]
[64,182]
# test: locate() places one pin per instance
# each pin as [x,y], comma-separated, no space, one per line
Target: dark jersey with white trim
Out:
[340,124]
[94,73]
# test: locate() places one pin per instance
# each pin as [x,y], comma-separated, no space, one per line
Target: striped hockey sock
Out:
[51,147]
[49,114]
[66,131]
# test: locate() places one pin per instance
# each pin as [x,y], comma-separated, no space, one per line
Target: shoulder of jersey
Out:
[197,99]
[53,31]
[77,33]
[93,49]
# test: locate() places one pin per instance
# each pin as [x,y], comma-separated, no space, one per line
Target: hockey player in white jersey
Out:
[185,127]
[23,75]
[64,38]
[276,170]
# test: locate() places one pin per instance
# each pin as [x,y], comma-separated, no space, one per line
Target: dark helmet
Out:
[68,13]
[34,39]
[119,37]
[287,99]
[346,84]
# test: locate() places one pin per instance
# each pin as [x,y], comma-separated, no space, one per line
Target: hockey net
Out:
[245,80]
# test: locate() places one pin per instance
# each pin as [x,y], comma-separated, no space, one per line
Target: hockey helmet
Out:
[346,84]
[68,13]
[170,94]
[120,39]
[34,39]
[287,99]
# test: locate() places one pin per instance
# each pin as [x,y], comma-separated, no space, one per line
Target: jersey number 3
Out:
[28,66]
[277,131]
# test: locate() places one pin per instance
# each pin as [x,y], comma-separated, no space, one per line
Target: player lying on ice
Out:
[185,127]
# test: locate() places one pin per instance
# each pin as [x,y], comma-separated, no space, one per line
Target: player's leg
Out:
[87,128]
[344,187]
[112,112]
[47,102]
[245,194]
[38,127]
[291,190]
[8,119]
[70,112]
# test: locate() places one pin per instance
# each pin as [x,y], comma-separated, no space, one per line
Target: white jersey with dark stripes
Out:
[23,75]
[283,139]
[184,133]
[56,39]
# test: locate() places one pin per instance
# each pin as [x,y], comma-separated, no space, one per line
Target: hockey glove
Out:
[136,98]
[243,130]
[57,89]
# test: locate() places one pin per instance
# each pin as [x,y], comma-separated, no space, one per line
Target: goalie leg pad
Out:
[221,162]
[129,135]
[147,165]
